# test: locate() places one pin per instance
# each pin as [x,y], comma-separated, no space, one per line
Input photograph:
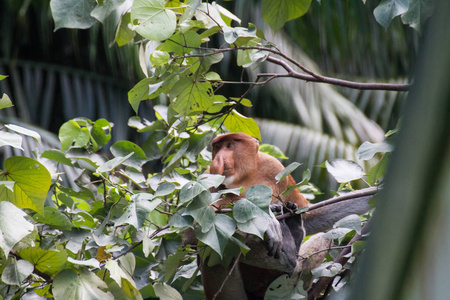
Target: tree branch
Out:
[335,81]
[309,76]
[351,195]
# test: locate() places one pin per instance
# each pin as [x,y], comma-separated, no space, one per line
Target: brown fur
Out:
[236,156]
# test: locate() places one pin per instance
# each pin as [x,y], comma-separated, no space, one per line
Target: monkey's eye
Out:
[229,145]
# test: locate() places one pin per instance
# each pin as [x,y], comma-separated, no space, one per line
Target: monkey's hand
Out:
[275,238]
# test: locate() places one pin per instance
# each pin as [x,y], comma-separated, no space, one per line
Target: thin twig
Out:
[236,261]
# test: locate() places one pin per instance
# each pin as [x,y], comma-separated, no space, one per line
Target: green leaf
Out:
[191,96]
[113,163]
[272,151]
[201,210]
[165,189]
[139,92]
[3,77]
[247,58]
[124,271]
[72,135]
[100,133]
[352,222]
[288,170]
[190,190]
[105,8]
[181,43]
[173,262]
[10,139]
[57,155]
[15,273]
[13,226]
[124,148]
[73,13]
[378,171]
[212,76]
[344,170]
[210,180]
[147,245]
[49,262]
[328,269]
[251,213]
[124,33]
[218,235]
[388,10]
[235,122]
[158,58]
[54,218]
[239,35]
[152,20]
[285,287]
[260,195]
[368,150]
[138,210]
[165,291]
[32,182]
[418,12]
[277,12]
[68,285]
[5,102]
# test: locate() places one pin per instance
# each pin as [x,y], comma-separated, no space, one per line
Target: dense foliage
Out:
[117,230]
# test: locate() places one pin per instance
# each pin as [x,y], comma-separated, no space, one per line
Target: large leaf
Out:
[47,261]
[138,210]
[32,182]
[72,13]
[68,285]
[235,122]
[123,269]
[201,210]
[153,21]
[17,272]
[277,12]
[251,214]
[124,148]
[189,95]
[72,135]
[190,190]
[389,9]
[219,234]
[13,226]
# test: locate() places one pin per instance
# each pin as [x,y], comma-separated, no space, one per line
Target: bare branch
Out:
[309,76]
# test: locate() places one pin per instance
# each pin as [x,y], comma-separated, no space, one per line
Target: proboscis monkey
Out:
[236,157]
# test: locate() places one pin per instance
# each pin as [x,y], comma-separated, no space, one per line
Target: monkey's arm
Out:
[323,218]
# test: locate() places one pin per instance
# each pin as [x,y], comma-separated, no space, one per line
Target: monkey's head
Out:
[235,155]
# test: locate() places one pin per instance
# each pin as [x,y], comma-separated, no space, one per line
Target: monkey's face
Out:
[234,156]
[223,158]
